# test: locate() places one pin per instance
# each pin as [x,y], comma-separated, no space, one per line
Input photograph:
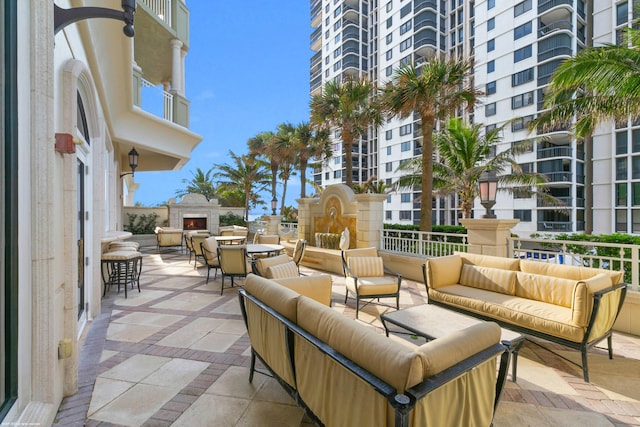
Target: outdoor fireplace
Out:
[195,223]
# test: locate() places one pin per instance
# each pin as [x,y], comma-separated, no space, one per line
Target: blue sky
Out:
[247,70]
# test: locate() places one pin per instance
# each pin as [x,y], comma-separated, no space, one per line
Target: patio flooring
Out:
[178,354]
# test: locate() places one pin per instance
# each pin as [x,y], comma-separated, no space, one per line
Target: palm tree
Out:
[350,105]
[286,148]
[464,153]
[597,84]
[310,143]
[264,145]
[246,178]
[434,91]
[200,183]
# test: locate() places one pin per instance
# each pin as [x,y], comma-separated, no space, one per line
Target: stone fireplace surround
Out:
[195,206]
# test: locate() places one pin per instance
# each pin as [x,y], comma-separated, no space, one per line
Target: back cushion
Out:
[365,266]
[280,271]
[490,279]
[262,264]
[211,245]
[490,261]
[443,271]
[574,272]
[281,299]
[553,290]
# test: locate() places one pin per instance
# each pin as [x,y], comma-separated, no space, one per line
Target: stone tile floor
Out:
[177,354]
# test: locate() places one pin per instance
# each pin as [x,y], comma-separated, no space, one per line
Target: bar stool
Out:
[127,246]
[121,268]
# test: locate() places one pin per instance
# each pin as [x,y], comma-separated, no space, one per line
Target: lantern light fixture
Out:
[488,186]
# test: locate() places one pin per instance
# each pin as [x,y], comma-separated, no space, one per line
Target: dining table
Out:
[223,240]
[264,248]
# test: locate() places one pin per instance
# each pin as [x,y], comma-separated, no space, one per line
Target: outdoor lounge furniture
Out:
[344,373]
[168,237]
[569,305]
[209,248]
[365,277]
[188,243]
[121,268]
[233,262]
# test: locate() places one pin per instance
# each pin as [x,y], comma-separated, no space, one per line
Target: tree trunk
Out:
[303,179]
[347,142]
[426,222]
[284,195]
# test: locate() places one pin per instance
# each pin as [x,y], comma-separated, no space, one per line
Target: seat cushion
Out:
[373,285]
[490,261]
[491,279]
[280,271]
[366,266]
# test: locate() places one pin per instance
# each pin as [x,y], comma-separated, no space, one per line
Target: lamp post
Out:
[274,204]
[133,162]
[488,186]
[63,17]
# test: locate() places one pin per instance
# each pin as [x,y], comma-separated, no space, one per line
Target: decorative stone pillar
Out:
[131,191]
[304,219]
[488,236]
[273,224]
[176,66]
[370,219]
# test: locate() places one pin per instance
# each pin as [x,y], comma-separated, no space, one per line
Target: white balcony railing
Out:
[423,243]
[156,100]
[162,8]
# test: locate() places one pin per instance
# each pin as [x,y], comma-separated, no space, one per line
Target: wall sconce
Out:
[63,17]
[133,162]
[488,185]
[274,205]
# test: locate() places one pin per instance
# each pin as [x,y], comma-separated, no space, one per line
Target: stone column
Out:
[176,66]
[304,219]
[488,236]
[369,222]
[273,224]
[131,190]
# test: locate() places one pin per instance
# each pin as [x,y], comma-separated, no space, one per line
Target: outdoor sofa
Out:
[570,305]
[168,237]
[346,374]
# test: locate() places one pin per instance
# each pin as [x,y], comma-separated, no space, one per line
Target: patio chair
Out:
[365,277]
[196,244]
[233,262]
[298,252]
[267,239]
[210,254]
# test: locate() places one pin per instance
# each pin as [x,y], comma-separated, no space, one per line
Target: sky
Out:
[247,70]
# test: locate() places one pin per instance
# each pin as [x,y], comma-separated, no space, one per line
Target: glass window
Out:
[635,167]
[405,130]
[491,24]
[405,44]
[388,134]
[522,7]
[405,27]
[389,21]
[522,100]
[389,54]
[621,220]
[491,88]
[523,215]
[389,38]
[635,141]
[336,160]
[621,142]
[388,215]
[621,168]
[635,195]
[622,13]
[621,194]
[405,215]
[388,71]
[337,174]
[635,220]
[491,45]
[491,4]
[405,197]
[490,109]
[522,53]
[389,6]
[405,146]
[388,167]
[522,30]
[388,150]
[491,66]
[522,77]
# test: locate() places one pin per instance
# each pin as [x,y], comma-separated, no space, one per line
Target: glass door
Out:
[81,254]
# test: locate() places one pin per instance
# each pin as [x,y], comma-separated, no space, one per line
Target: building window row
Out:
[522,100]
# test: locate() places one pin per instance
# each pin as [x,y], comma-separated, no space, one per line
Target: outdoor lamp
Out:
[133,162]
[488,183]
[274,204]
[63,17]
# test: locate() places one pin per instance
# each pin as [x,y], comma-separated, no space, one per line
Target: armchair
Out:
[233,262]
[365,277]
[298,252]
[196,245]
[209,249]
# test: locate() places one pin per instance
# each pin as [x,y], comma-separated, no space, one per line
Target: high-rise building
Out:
[515,46]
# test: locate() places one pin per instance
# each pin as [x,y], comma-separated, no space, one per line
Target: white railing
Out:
[289,229]
[156,100]
[162,8]
[421,243]
[609,256]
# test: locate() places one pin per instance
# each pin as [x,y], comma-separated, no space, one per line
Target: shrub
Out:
[231,219]
[143,224]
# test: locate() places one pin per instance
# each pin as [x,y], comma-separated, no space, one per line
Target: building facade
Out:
[75,104]
[515,46]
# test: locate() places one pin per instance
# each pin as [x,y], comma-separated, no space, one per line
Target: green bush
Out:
[231,219]
[143,224]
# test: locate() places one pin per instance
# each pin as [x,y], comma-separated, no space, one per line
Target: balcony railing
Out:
[543,6]
[545,153]
[559,176]
[423,243]
[156,101]
[162,8]
[555,26]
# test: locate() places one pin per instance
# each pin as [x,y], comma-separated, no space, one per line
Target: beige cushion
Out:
[549,289]
[280,271]
[120,255]
[210,244]
[443,271]
[280,298]
[568,271]
[317,286]
[490,261]
[366,266]
[263,263]
[491,279]
[373,285]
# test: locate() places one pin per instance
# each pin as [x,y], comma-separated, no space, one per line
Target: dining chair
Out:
[233,262]
[210,254]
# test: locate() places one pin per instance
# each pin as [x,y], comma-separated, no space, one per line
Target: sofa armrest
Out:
[606,307]
[317,286]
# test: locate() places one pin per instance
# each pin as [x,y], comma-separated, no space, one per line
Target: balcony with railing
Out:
[543,6]
[557,45]
[546,29]
[418,5]
[545,153]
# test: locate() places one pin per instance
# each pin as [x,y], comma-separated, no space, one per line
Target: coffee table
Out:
[431,322]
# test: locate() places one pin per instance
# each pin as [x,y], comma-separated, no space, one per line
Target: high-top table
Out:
[431,322]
